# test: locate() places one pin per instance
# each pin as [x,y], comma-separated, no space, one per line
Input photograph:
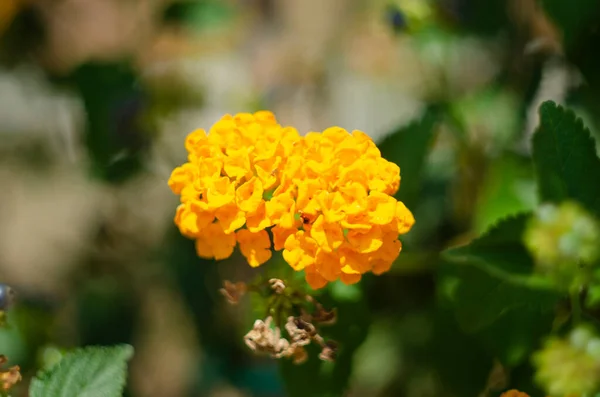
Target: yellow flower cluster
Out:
[323,198]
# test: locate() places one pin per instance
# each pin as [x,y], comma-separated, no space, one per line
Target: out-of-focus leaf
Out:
[460,360]
[486,18]
[199,15]
[90,372]
[517,333]
[509,188]
[106,311]
[114,103]
[480,298]
[500,247]
[343,292]
[522,378]
[489,116]
[22,35]
[565,160]
[572,18]
[408,148]
[319,378]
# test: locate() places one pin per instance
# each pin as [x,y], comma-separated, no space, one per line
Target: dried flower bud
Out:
[233,292]
[10,377]
[301,332]
[264,339]
[329,352]
[324,317]
[277,285]
[299,355]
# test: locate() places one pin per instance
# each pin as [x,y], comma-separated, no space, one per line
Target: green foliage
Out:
[490,282]
[90,372]
[509,188]
[480,298]
[490,286]
[408,147]
[113,102]
[500,248]
[565,160]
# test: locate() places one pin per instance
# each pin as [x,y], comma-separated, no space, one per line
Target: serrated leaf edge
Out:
[126,354]
[450,253]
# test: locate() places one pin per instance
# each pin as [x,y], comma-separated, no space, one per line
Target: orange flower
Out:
[326,198]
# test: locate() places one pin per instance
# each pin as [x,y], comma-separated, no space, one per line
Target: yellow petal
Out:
[230,218]
[249,195]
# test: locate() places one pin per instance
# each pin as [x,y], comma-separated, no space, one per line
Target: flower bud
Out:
[570,366]
[563,240]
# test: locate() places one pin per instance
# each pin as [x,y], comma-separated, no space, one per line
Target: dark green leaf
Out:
[89,372]
[114,102]
[480,298]
[408,148]
[565,159]
[515,334]
[460,360]
[500,247]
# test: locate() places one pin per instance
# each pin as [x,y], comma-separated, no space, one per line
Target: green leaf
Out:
[114,102]
[565,160]
[88,372]
[509,188]
[408,147]
[460,360]
[515,334]
[480,298]
[499,249]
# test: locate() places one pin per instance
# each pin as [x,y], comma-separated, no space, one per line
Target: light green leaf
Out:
[509,188]
[565,160]
[87,372]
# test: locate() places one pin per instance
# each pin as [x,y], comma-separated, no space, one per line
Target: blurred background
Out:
[96,97]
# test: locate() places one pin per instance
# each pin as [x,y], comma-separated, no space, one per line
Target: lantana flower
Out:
[325,199]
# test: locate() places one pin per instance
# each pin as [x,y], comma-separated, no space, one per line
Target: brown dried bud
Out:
[325,317]
[305,326]
[298,331]
[264,339]
[233,292]
[10,377]
[329,352]
[277,285]
[299,355]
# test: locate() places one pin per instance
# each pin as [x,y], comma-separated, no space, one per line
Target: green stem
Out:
[575,305]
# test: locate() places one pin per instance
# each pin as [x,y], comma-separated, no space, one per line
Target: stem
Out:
[575,305]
